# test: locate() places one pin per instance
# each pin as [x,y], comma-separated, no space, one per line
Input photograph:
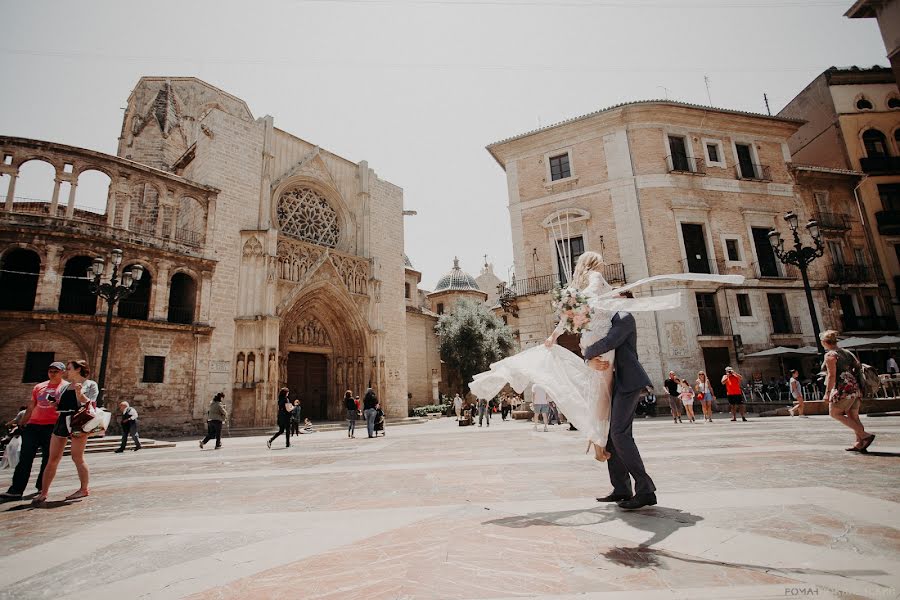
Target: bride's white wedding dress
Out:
[582,393]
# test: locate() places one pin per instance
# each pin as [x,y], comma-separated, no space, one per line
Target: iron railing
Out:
[753,171]
[833,221]
[685,164]
[785,325]
[698,265]
[845,274]
[709,324]
[880,165]
[781,272]
[181,314]
[870,323]
[542,284]
[186,236]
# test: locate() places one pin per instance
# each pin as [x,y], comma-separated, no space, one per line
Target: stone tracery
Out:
[306,215]
[309,332]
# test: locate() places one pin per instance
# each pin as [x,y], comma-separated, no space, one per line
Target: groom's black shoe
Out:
[614,497]
[639,501]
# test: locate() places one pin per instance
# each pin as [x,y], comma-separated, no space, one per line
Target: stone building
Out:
[660,187]
[852,122]
[269,260]
[887,14]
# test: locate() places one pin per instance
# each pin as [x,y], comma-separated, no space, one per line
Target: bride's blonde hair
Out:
[587,262]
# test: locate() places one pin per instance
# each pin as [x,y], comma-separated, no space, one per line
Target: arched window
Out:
[306,215]
[19,270]
[407,286]
[76,297]
[875,143]
[34,187]
[93,191]
[182,297]
[137,305]
[864,104]
[190,225]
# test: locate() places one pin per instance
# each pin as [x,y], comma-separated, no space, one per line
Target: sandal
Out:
[78,494]
[866,443]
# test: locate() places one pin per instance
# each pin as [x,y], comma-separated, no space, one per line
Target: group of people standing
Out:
[683,395]
[370,410]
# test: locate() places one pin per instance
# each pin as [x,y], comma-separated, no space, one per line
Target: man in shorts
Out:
[732,383]
[541,405]
[675,403]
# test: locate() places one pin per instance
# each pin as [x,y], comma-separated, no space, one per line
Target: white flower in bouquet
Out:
[572,308]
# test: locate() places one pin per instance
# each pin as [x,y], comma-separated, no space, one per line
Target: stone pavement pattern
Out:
[771,508]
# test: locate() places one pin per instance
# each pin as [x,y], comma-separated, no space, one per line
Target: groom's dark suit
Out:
[630,379]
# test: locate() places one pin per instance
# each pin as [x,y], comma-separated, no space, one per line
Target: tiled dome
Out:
[457,279]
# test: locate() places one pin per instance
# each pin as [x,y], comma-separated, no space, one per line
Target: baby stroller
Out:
[379,421]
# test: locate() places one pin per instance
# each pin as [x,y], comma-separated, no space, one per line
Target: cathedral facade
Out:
[270,262]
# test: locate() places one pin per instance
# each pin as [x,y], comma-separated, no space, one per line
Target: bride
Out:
[581,392]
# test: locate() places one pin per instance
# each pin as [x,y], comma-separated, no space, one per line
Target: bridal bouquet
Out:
[572,308]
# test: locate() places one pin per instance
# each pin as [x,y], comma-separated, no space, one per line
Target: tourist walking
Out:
[285,408]
[796,391]
[295,417]
[842,389]
[505,408]
[457,406]
[686,395]
[732,383]
[352,413]
[79,392]
[541,405]
[216,415]
[675,403]
[484,411]
[37,429]
[129,422]
[705,395]
[370,403]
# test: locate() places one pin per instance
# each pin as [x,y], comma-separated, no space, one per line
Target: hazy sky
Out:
[416,87]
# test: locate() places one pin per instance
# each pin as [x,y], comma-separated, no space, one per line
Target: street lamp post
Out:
[801,256]
[112,291]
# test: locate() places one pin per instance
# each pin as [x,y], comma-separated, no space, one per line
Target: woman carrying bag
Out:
[79,397]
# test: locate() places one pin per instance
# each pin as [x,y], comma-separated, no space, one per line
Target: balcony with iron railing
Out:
[853,322]
[753,172]
[699,265]
[685,164]
[779,271]
[781,325]
[880,165]
[832,221]
[849,274]
[713,325]
[542,284]
[888,222]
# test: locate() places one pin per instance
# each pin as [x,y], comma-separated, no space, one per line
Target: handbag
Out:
[89,419]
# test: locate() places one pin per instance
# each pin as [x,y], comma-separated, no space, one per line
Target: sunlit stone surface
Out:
[772,508]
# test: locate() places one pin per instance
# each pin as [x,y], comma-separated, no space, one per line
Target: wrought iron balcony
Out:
[542,284]
[871,323]
[785,325]
[713,325]
[779,271]
[685,164]
[848,274]
[753,171]
[880,165]
[833,221]
[888,222]
[698,265]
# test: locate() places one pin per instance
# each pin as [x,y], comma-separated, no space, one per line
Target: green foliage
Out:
[471,338]
[424,411]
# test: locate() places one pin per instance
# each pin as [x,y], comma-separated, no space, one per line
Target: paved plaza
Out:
[771,508]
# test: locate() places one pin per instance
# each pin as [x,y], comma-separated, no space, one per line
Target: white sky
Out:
[416,87]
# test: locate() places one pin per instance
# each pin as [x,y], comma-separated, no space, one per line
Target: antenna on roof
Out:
[665,91]
[766,100]
[708,95]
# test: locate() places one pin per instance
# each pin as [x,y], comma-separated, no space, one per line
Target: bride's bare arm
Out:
[556,333]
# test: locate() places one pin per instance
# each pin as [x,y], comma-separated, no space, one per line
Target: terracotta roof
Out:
[639,102]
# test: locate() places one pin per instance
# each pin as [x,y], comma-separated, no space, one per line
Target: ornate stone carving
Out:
[306,215]
[309,332]
[295,259]
[253,247]
[354,272]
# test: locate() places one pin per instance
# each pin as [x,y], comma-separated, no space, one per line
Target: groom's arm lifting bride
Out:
[625,463]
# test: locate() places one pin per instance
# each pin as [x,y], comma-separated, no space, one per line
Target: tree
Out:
[471,338]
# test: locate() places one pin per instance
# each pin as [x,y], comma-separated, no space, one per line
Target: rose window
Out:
[306,215]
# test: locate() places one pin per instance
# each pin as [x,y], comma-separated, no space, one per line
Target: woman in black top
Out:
[369,404]
[284,418]
[350,405]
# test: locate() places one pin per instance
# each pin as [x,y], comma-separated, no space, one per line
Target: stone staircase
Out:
[321,426]
[110,443]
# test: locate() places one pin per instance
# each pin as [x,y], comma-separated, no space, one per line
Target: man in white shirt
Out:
[796,394]
[457,406]
[541,405]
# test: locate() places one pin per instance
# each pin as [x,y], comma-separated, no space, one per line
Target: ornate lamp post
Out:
[112,291]
[801,256]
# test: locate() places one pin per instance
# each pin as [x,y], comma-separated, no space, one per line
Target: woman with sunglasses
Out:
[81,390]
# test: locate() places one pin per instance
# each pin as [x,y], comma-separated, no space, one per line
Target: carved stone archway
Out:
[324,319]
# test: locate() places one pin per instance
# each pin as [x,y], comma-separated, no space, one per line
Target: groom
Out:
[630,378]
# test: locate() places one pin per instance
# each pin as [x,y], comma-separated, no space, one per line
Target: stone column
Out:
[160,308]
[54,201]
[50,283]
[204,297]
[70,208]
[11,190]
